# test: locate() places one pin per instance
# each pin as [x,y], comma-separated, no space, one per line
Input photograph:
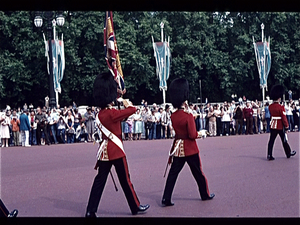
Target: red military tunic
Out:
[111,119]
[278,117]
[185,130]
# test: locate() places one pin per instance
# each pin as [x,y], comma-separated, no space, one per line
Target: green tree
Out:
[214,47]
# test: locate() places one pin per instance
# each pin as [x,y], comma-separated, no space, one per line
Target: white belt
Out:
[276,118]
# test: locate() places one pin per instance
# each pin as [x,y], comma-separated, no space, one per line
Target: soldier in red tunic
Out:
[111,150]
[184,148]
[279,124]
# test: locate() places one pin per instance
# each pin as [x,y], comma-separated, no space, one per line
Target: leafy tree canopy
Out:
[214,47]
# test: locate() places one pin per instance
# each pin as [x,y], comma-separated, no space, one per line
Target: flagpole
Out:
[162,40]
[262,40]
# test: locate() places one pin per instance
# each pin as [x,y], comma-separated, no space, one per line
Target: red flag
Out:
[111,52]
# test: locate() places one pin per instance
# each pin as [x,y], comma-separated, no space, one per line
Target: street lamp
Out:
[38,22]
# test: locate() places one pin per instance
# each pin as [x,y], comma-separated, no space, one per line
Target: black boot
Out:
[90,214]
[271,157]
[13,213]
[292,154]
[209,197]
[141,209]
[165,202]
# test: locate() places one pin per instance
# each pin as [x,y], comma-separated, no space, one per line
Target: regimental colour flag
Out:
[263,60]
[111,51]
[162,56]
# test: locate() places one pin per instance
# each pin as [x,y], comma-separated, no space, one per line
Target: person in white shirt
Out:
[289,115]
[225,119]
[53,124]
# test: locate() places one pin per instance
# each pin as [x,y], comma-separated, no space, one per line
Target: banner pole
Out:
[264,63]
[162,40]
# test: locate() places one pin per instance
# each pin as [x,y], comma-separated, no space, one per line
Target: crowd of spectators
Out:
[244,117]
[42,126]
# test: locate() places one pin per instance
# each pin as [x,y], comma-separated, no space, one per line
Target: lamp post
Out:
[38,22]
[233,96]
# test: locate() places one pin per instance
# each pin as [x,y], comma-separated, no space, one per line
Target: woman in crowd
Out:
[70,127]
[138,124]
[89,123]
[129,127]
[212,121]
[81,132]
[61,128]
[77,118]
[166,122]
[4,129]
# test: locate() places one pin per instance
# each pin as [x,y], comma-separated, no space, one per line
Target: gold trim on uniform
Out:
[104,154]
[180,150]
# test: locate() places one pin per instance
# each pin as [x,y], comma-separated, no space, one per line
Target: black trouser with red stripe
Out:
[195,166]
[124,179]
[3,210]
[285,144]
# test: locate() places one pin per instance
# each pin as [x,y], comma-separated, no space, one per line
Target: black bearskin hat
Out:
[179,92]
[105,89]
[277,92]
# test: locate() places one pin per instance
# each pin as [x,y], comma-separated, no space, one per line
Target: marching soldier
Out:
[111,150]
[184,148]
[279,124]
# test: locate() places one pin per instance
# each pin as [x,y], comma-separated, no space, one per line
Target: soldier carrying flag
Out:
[111,151]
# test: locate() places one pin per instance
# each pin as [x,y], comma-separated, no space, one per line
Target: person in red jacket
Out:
[112,152]
[248,117]
[184,147]
[279,124]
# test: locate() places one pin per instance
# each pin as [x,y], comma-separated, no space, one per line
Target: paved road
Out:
[55,181]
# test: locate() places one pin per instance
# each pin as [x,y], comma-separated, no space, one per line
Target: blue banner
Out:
[263,60]
[162,56]
[58,63]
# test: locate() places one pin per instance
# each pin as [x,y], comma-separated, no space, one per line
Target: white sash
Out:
[109,135]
